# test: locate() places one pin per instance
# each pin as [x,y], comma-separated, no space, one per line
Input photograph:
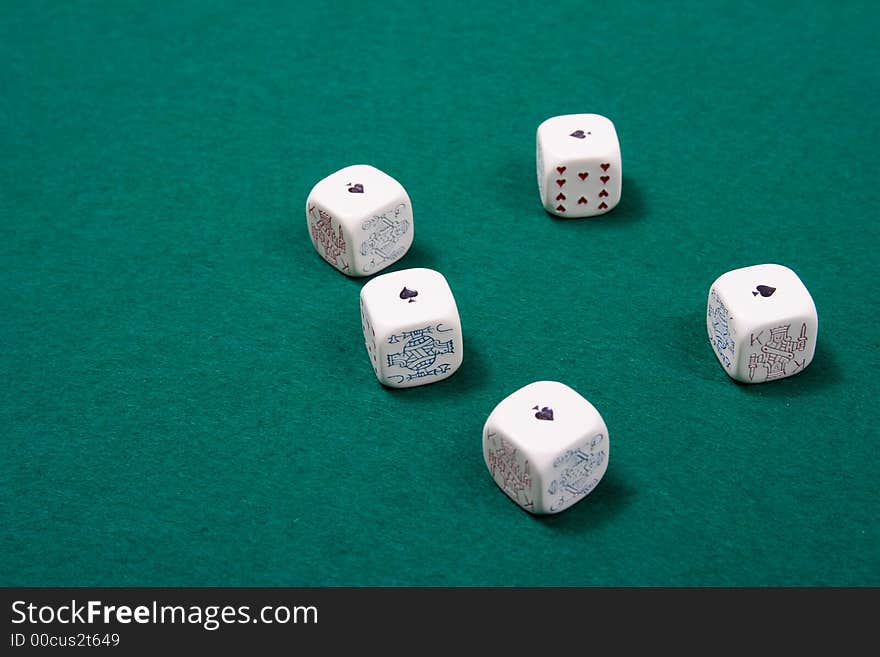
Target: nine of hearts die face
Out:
[544,445]
[579,165]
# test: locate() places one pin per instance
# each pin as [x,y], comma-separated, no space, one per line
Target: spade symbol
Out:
[545,413]
[357,188]
[578,134]
[406,293]
[764,291]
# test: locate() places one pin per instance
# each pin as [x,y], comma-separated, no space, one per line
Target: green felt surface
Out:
[186,398]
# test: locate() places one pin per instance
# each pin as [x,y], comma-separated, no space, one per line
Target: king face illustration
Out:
[332,242]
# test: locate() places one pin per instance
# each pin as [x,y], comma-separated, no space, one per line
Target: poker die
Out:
[411,327]
[762,323]
[579,167]
[546,446]
[360,220]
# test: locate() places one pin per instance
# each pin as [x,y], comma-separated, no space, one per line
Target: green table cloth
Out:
[186,395]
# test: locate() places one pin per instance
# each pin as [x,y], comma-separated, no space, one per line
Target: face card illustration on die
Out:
[327,238]
[510,470]
[778,350]
[384,234]
[419,352]
[576,477]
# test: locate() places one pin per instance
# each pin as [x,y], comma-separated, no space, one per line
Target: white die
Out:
[579,166]
[762,323]
[360,220]
[411,327]
[546,446]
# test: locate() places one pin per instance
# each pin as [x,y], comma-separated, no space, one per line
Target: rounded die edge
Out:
[585,115]
[387,277]
[784,269]
[346,217]
[360,260]
[354,169]
[555,157]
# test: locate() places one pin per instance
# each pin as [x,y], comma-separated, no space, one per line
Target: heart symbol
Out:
[582,201]
[406,293]
[604,179]
[544,414]
[560,182]
[583,176]
[578,134]
[357,188]
[603,194]
[602,205]
[560,207]
[560,197]
[764,290]
[560,169]
[604,166]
